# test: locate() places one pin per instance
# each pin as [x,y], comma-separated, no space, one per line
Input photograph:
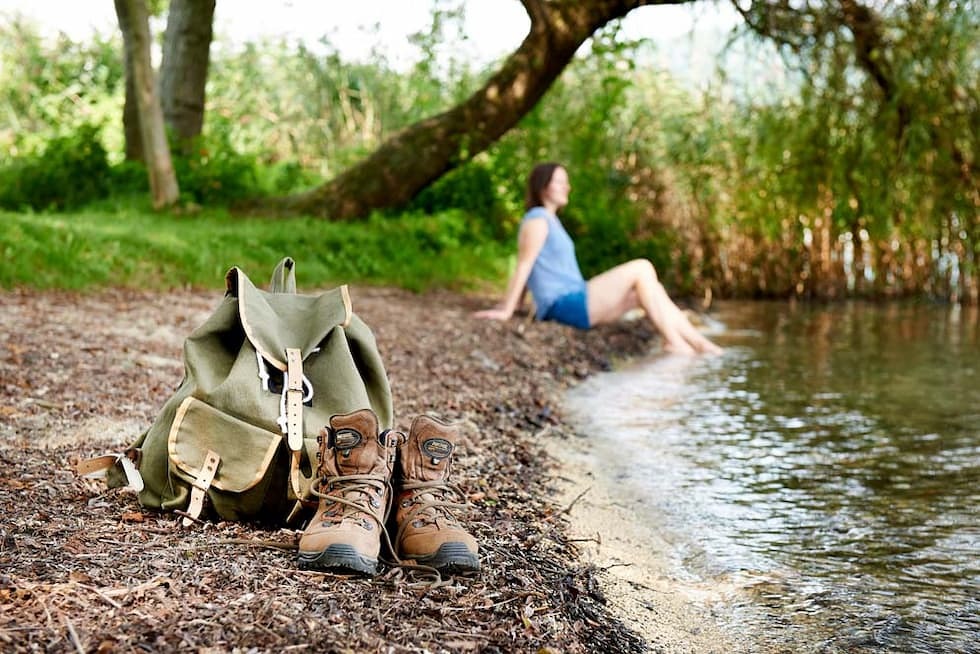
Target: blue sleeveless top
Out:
[555,272]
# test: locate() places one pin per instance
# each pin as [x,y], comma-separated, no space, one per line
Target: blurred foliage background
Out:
[821,186]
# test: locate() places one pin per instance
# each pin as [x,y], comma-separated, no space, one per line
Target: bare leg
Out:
[635,283]
[691,334]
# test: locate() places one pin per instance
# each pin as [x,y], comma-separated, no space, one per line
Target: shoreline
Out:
[641,583]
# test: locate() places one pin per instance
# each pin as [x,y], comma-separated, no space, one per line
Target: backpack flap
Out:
[337,349]
[274,322]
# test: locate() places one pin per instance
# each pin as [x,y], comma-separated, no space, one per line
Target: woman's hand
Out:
[530,240]
[493,314]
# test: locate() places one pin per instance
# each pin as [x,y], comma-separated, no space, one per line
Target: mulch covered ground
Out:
[83,568]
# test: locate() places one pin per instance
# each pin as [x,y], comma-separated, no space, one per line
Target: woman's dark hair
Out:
[539,178]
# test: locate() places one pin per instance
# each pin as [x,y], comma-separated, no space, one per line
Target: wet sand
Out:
[644,588]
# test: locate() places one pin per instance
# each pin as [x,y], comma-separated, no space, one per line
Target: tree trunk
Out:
[134,23]
[131,120]
[420,154]
[184,69]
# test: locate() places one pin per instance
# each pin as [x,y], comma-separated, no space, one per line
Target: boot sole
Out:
[451,557]
[338,557]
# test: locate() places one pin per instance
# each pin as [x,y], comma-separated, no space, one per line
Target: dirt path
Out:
[85,569]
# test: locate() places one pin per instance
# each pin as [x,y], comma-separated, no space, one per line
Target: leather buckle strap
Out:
[200,486]
[294,416]
[294,399]
[93,467]
[128,461]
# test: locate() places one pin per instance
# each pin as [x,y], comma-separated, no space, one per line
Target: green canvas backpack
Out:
[263,375]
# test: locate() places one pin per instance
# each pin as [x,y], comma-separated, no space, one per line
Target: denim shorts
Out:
[570,309]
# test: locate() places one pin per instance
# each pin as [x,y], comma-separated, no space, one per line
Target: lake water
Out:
[827,465]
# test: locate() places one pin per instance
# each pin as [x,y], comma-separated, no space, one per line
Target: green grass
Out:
[128,245]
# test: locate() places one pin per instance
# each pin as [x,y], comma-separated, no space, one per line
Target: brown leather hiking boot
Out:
[428,531]
[352,482]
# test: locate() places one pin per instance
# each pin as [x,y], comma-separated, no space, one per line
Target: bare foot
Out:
[680,348]
[704,346]
[698,341]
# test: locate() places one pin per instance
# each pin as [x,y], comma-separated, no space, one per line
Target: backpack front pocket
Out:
[242,469]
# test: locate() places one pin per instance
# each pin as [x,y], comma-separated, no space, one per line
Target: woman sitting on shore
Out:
[546,264]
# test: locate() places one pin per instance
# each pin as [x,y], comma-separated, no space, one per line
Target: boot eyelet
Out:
[417,524]
[406,503]
[375,502]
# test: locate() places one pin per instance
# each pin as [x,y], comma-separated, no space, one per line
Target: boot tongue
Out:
[356,448]
[429,449]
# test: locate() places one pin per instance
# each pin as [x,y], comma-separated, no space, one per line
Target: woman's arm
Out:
[530,240]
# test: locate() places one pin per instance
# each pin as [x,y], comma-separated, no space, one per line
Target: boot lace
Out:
[438,500]
[426,510]
[358,492]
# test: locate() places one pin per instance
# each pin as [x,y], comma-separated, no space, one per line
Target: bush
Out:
[129,177]
[470,192]
[469,188]
[69,172]
[285,177]
[214,173]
